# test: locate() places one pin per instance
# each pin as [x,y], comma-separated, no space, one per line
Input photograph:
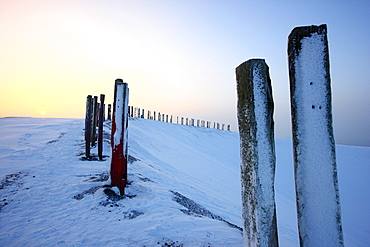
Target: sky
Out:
[178,57]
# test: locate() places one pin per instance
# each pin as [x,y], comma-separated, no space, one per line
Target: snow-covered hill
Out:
[184,188]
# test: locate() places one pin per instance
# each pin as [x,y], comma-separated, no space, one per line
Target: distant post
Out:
[257,152]
[100,130]
[94,118]
[119,136]
[109,112]
[88,125]
[318,206]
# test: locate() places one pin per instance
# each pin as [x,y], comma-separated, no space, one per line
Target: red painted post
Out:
[119,136]
[100,130]
[88,126]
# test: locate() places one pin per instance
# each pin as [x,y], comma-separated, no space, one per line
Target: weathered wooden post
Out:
[88,125]
[318,206]
[257,151]
[104,112]
[94,118]
[119,136]
[100,130]
[109,112]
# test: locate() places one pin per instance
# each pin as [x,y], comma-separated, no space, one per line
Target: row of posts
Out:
[140,113]
[94,119]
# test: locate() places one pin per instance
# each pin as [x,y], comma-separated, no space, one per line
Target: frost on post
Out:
[257,151]
[319,218]
[119,136]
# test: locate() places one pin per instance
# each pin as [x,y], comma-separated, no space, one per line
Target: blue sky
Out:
[178,57]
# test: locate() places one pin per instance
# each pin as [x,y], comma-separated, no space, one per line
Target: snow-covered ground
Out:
[184,188]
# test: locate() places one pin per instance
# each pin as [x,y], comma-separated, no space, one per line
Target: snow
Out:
[184,188]
[316,164]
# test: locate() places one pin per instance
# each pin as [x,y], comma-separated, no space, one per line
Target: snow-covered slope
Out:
[184,188]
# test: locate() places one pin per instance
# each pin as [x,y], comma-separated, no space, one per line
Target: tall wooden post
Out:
[88,125]
[257,151]
[119,136]
[94,118]
[318,207]
[100,130]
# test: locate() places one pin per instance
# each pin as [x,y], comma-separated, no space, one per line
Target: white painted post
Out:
[318,206]
[257,151]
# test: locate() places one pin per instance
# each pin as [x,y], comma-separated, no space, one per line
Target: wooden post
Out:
[88,125]
[257,152]
[94,118]
[109,112]
[100,130]
[103,112]
[119,136]
[316,180]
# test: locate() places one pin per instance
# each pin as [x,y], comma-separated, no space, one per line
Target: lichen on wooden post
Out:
[257,151]
[318,207]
